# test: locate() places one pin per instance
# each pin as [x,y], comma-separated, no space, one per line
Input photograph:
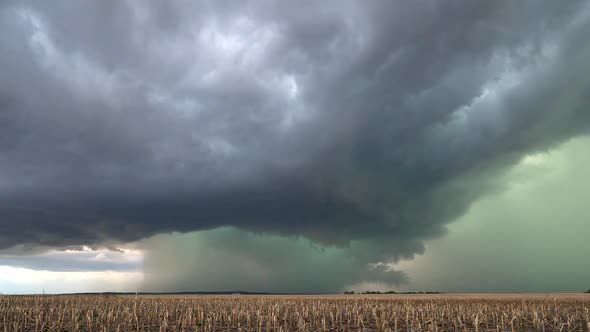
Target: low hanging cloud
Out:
[228,259]
[337,121]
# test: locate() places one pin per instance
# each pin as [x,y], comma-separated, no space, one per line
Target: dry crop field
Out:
[441,312]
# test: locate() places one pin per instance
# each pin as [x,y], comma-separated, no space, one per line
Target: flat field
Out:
[438,312]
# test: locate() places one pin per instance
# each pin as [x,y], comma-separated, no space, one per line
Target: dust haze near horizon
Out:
[303,148]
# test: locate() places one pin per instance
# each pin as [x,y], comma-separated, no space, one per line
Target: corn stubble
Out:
[452,312]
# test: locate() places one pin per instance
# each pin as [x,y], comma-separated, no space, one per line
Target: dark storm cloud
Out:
[337,121]
[211,260]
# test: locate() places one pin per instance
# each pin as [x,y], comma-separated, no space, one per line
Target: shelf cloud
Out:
[344,123]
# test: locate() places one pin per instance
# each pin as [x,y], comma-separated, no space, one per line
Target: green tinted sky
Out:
[535,236]
[530,236]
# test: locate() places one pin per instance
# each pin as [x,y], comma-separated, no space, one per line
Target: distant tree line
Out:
[588,291]
[394,292]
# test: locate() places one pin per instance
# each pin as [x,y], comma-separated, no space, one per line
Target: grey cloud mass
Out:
[229,259]
[339,121]
[76,261]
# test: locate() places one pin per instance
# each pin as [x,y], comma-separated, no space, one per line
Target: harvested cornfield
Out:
[444,312]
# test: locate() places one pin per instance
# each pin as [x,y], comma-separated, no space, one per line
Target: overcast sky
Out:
[305,146]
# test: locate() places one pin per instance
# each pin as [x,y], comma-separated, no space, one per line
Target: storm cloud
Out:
[341,121]
[230,259]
